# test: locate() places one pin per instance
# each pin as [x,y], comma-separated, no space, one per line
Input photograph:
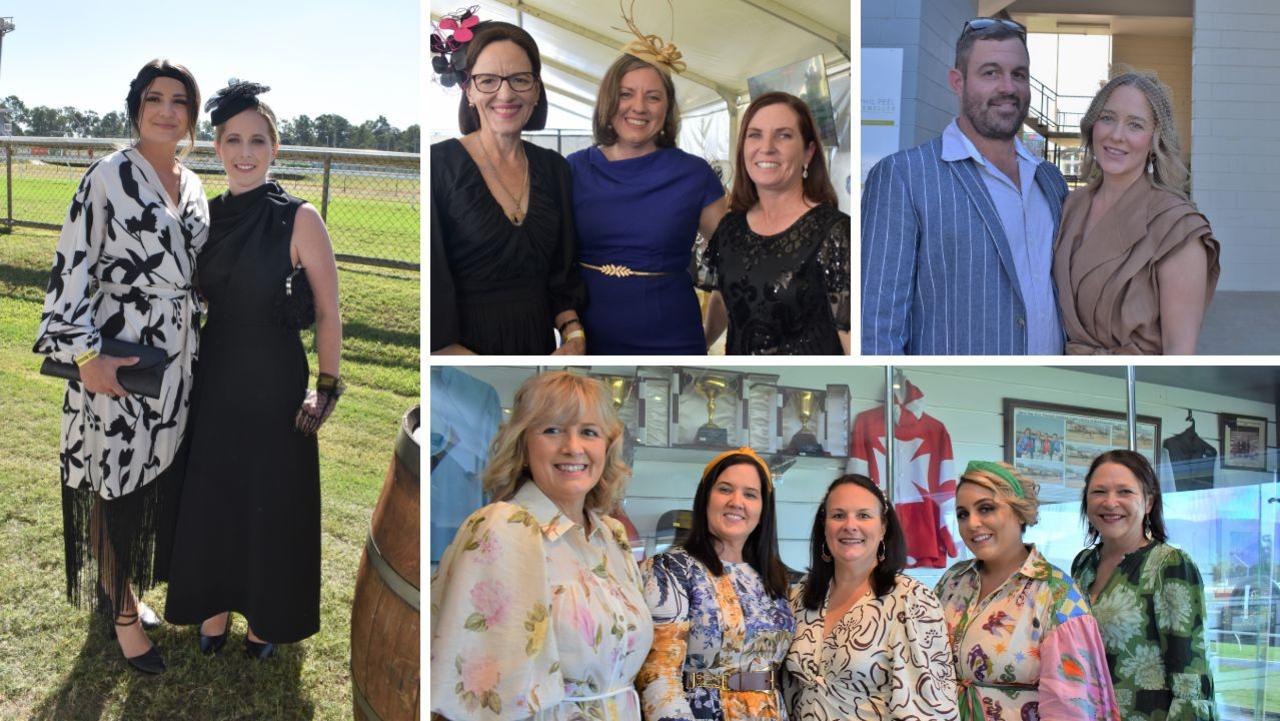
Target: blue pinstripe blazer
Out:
[937,270]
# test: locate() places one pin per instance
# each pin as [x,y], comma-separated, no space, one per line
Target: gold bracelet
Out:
[574,334]
[85,357]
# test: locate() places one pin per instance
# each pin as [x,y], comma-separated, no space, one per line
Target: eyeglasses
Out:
[979,24]
[488,83]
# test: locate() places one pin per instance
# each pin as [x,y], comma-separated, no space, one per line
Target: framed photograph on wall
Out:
[1243,442]
[1053,444]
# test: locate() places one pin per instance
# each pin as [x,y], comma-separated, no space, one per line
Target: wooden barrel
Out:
[384,616]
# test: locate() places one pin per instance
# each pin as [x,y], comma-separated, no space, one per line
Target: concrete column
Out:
[926,30]
[1235,146]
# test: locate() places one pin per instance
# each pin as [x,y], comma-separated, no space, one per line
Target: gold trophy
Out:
[620,388]
[804,442]
[709,434]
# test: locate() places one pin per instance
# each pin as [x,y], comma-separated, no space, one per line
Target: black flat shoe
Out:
[210,645]
[259,651]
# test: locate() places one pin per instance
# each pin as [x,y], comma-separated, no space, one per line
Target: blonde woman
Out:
[1135,263]
[1026,645]
[537,608]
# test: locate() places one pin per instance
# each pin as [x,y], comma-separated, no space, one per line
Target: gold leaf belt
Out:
[615,270]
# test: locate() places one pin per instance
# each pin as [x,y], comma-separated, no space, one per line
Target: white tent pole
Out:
[803,22]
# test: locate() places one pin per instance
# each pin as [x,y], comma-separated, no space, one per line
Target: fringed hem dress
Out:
[122,269]
[248,526]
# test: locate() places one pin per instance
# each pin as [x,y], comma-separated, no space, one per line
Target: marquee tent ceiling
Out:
[724,42]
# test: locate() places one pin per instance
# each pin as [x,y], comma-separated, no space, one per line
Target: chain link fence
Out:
[370,199]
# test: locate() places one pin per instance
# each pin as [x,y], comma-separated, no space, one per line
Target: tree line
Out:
[328,130]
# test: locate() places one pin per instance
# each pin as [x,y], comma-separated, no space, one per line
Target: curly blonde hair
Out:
[1168,172]
[559,398]
[1026,507]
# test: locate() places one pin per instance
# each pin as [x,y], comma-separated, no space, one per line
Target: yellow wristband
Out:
[86,356]
[574,334]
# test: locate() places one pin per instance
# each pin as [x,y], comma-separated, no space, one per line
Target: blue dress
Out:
[641,213]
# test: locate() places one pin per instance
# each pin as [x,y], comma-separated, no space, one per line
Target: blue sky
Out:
[318,56]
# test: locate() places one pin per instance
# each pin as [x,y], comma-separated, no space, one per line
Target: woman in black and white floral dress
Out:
[123,269]
[870,643]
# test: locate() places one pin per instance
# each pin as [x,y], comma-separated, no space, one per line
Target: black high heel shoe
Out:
[210,645]
[259,651]
[150,662]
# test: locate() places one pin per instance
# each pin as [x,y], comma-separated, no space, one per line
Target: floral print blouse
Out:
[717,625]
[888,658]
[531,617]
[1029,650]
[1151,614]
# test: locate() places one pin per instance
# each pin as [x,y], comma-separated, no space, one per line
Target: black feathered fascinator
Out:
[237,96]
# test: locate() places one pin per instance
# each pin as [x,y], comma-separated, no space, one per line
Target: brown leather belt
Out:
[752,681]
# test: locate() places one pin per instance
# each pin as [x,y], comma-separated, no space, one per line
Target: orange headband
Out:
[744,451]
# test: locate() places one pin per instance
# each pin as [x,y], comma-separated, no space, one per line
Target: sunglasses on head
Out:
[979,24]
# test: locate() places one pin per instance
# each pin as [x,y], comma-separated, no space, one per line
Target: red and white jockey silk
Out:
[924,474]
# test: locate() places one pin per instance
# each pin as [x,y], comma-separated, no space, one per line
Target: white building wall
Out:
[926,30]
[1235,155]
[1170,59]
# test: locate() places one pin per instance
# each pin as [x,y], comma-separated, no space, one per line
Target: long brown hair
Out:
[817,187]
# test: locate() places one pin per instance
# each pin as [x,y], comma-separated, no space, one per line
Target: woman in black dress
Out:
[503,277]
[248,528]
[778,264]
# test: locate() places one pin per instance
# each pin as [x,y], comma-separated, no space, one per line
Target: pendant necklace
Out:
[518,216]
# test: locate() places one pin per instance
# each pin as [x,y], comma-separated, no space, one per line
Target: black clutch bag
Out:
[143,378]
[295,305]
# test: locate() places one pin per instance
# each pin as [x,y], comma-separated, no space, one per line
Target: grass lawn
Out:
[374,216]
[56,663]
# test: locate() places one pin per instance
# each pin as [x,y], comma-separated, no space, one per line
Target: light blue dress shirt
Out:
[1028,225]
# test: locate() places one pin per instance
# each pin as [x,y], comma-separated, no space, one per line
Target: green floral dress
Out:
[1151,613]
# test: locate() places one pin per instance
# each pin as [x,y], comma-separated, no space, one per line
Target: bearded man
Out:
[957,233]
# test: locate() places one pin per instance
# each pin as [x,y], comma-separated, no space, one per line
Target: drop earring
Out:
[805,172]
[826,556]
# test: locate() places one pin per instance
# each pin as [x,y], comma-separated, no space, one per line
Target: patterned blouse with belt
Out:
[715,625]
[887,658]
[1029,650]
[1151,613]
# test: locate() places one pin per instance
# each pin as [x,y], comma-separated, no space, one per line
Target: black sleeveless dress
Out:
[247,536]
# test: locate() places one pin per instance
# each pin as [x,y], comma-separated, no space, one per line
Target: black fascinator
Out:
[237,96]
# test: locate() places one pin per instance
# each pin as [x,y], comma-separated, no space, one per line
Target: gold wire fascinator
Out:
[651,48]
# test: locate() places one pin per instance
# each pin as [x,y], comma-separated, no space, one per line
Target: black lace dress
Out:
[496,287]
[786,294]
